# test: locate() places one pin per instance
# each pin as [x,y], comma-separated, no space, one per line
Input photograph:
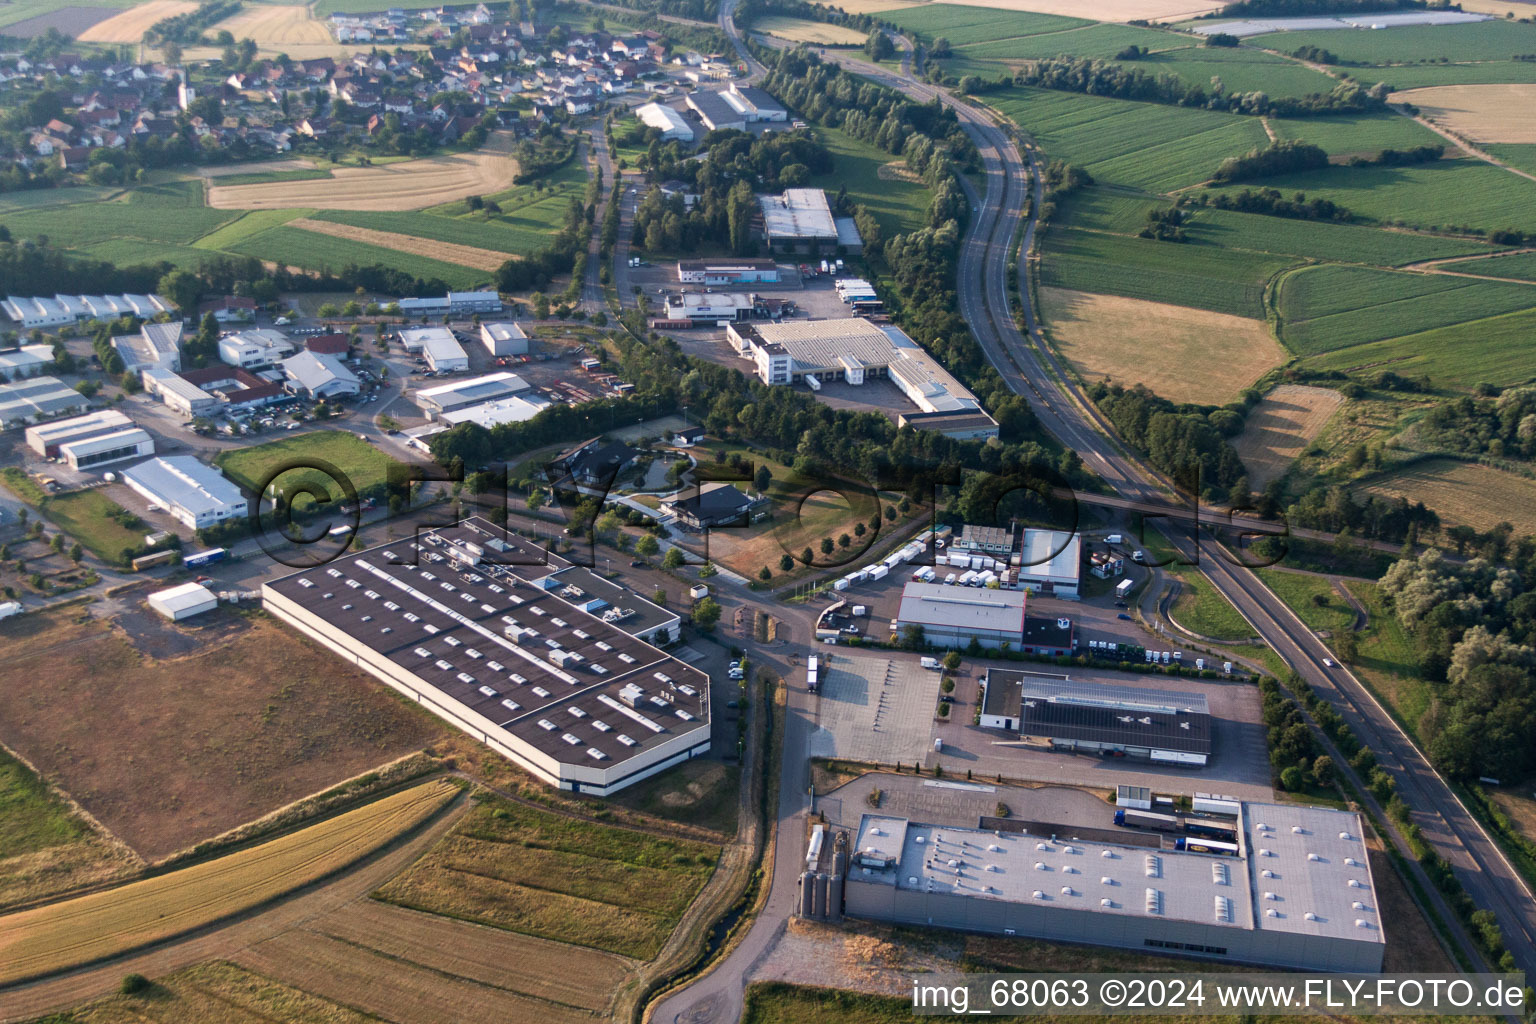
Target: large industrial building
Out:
[515,409]
[155,346]
[1297,894]
[735,107]
[45,438]
[452,304]
[26,361]
[39,311]
[107,449]
[665,120]
[954,616]
[320,376]
[1051,562]
[855,350]
[36,399]
[470,391]
[1163,726]
[798,218]
[541,665]
[195,494]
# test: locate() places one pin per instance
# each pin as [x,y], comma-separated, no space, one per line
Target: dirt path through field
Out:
[448,252]
[130,26]
[410,185]
[1428,266]
[1469,148]
[227,940]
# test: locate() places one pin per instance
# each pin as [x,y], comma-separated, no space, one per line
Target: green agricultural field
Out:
[1517,267]
[1420,76]
[35,198]
[1106,208]
[530,871]
[899,205]
[1143,145]
[325,8]
[1100,40]
[1345,243]
[1496,351]
[1480,41]
[20,10]
[97,522]
[1239,69]
[263,177]
[311,250]
[153,217]
[1358,134]
[1204,277]
[362,463]
[521,235]
[1332,307]
[962,25]
[1446,193]
[247,225]
[1521,156]
[125,252]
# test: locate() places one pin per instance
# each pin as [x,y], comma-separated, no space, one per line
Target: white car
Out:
[735,673]
[1328,662]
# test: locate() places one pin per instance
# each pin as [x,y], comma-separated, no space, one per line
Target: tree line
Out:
[1107,78]
[1187,442]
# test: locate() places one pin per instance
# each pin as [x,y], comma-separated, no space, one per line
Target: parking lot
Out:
[873,708]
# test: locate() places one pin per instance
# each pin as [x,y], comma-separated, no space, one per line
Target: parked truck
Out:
[203,558]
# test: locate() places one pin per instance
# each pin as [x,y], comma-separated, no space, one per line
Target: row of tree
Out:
[1187,442]
[1108,78]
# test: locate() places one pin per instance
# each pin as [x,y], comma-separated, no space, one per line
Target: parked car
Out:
[636,564]
[1124,616]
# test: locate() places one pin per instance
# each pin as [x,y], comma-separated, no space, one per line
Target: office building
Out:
[718,272]
[195,494]
[255,349]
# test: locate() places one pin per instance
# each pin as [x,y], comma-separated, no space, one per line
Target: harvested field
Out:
[1481,113]
[410,185]
[1280,427]
[165,753]
[448,252]
[130,25]
[214,991]
[417,968]
[276,26]
[71,21]
[1465,493]
[1182,354]
[800,30]
[104,924]
[552,877]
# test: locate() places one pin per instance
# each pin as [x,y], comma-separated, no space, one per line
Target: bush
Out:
[133,984]
[948,685]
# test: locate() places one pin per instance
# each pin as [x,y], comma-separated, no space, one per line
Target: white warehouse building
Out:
[183,602]
[195,494]
[107,449]
[1051,562]
[1298,894]
[437,346]
[45,438]
[668,121]
[503,338]
[26,361]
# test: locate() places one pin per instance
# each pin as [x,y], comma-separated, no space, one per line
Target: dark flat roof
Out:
[461,629]
[1065,709]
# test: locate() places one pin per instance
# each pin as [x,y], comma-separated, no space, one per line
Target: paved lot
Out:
[874,709]
[1239,763]
[960,803]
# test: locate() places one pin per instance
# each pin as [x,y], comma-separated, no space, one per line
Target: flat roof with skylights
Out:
[458,622]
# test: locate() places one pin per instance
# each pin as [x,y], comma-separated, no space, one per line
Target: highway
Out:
[1031,370]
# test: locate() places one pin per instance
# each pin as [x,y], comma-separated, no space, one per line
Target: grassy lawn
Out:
[1299,591]
[1387,662]
[23,486]
[527,870]
[97,522]
[1201,609]
[360,462]
[898,204]
[32,818]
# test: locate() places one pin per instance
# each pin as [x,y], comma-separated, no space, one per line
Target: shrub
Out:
[133,984]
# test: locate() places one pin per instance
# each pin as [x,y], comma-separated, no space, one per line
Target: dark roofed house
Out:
[593,464]
[329,344]
[713,504]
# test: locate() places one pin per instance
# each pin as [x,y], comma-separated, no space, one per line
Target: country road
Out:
[1031,370]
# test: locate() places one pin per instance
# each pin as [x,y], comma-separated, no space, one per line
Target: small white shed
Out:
[183,602]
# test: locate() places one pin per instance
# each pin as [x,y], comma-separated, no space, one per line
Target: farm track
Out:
[448,252]
[225,940]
